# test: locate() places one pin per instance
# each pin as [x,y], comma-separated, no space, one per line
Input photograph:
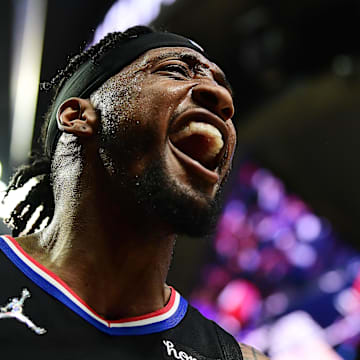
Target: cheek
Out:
[117,100]
[136,112]
[160,102]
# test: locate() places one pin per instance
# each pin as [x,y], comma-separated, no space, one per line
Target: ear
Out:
[78,117]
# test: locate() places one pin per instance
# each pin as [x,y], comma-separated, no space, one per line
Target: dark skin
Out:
[100,241]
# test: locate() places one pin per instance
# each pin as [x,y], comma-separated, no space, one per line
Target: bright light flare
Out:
[26,65]
[126,13]
[14,197]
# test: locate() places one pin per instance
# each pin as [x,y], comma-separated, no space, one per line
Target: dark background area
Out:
[295,73]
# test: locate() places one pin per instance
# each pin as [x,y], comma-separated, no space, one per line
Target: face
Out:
[167,135]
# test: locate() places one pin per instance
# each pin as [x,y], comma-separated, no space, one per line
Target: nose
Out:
[215,98]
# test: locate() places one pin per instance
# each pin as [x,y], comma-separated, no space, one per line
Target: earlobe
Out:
[78,117]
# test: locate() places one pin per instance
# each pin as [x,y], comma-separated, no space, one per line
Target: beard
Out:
[187,212]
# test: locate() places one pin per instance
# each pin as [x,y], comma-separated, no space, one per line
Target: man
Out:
[138,142]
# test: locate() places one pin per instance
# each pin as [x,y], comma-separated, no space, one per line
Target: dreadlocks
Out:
[39,167]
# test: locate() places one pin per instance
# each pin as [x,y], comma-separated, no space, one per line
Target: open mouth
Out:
[201,142]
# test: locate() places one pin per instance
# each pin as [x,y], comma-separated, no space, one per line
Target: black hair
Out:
[39,165]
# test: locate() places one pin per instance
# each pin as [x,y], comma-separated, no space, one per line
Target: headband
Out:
[91,75]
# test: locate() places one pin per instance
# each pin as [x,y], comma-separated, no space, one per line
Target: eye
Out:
[176,71]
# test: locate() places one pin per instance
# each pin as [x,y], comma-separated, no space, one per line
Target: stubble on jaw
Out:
[186,211]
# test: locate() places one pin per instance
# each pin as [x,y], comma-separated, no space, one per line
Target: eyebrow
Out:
[189,58]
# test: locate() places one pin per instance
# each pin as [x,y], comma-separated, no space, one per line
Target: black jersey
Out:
[42,318]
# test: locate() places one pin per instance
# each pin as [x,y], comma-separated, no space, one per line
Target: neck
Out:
[115,261]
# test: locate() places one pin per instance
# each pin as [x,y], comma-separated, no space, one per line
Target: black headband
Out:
[91,75]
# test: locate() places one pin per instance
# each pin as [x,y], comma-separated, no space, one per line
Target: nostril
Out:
[208,98]
[227,113]
[214,98]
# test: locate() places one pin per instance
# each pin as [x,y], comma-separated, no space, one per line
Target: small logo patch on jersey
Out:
[172,352]
[182,352]
[14,309]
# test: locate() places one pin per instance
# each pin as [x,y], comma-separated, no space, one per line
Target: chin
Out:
[187,209]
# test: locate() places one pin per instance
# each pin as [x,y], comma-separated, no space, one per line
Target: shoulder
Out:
[232,346]
[250,353]
[228,343]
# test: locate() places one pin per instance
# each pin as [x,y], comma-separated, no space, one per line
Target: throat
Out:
[118,279]
[133,304]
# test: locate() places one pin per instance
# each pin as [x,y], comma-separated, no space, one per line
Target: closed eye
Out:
[176,71]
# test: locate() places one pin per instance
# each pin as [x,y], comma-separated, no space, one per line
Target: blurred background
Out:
[282,271]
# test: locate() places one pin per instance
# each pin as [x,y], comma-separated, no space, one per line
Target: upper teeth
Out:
[212,133]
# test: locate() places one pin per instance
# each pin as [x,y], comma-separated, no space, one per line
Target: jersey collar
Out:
[157,321]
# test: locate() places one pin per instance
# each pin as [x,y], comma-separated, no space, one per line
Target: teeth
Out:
[213,135]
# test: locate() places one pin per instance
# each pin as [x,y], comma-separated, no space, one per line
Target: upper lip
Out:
[204,116]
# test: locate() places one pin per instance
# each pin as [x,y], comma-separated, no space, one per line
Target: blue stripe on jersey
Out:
[51,289]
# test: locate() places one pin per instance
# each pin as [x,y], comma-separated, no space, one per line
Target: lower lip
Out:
[195,166]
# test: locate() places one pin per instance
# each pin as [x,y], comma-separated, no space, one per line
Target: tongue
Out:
[200,141]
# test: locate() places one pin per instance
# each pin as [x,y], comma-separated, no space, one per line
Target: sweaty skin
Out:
[111,246]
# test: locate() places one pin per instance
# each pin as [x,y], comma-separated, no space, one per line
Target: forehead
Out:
[153,56]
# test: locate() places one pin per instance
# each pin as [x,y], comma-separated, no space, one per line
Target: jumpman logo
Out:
[14,309]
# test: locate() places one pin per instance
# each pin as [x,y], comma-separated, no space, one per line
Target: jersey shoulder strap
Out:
[231,348]
[205,337]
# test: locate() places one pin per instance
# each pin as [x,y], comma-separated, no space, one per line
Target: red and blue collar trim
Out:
[154,322]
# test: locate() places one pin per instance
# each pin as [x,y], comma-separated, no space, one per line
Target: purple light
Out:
[343,329]
[291,209]
[236,206]
[274,264]
[269,236]
[259,177]
[353,268]
[205,308]
[348,302]
[233,218]
[249,259]
[268,227]
[270,194]
[225,245]
[302,255]
[331,281]
[276,303]
[126,13]
[270,190]
[232,228]
[284,239]
[308,227]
